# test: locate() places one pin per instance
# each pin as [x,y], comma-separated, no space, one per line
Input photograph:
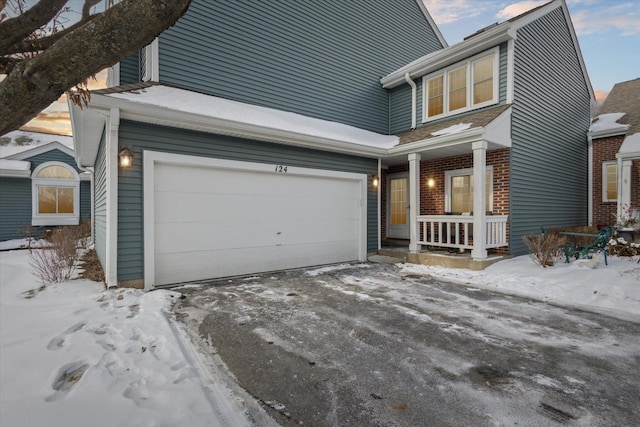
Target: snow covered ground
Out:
[74,354]
[591,285]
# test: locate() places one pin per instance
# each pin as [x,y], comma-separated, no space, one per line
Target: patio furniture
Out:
[599,242]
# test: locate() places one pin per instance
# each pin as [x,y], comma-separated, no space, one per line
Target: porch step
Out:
[440,259]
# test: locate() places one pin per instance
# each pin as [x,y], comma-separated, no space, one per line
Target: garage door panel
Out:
[232,262]
[214,222]
[181,237]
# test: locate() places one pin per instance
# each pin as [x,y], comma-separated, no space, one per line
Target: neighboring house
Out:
[259,132]
[40,185]
[614,148]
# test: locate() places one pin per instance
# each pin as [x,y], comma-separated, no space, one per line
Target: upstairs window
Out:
[470,84]
[55,195]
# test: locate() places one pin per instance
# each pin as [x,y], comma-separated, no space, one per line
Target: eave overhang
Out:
[458,52]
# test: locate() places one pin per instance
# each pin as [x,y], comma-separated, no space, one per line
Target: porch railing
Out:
[456,231]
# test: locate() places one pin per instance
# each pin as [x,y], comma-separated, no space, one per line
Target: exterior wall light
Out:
[431,183]
[125,158]
[375,181]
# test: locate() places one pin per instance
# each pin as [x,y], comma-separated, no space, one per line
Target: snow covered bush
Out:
[57,262]
[620,247]
[544,248]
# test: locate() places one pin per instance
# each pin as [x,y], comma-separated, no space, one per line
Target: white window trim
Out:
[604,181]
[151,58]
[445,84]
[463,172]
[55,219]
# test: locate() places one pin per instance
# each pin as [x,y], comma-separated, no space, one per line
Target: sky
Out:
[608,33]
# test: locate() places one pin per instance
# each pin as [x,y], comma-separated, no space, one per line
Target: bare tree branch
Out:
[16,29]
[121,30]
[86,9]
[36,45]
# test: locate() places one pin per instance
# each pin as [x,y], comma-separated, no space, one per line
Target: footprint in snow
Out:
[68,376]
[58,342]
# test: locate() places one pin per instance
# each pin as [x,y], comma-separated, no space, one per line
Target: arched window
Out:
[55,190]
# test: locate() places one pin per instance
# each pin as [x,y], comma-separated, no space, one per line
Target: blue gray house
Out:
[258,136]
[40,185]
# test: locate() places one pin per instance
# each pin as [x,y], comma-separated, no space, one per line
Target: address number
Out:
[281,169]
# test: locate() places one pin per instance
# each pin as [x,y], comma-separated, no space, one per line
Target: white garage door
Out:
[239,218]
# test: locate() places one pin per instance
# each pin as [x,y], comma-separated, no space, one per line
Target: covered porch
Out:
[431,184]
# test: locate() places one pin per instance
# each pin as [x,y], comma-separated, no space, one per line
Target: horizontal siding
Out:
[130,69]
[550,119]
[100,203]
[52,156]
[400,108]
[85,201]
[502,79]
[140,137]
[15,207]
[321,59]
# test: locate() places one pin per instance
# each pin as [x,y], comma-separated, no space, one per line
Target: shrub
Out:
[622,248]
[57,262]
[545,247]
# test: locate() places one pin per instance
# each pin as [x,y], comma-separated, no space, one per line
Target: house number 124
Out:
[281,169]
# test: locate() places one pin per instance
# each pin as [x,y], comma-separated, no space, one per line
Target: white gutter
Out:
[490,38]
[414,98]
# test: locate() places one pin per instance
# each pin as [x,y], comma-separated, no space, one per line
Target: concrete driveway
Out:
[359,345]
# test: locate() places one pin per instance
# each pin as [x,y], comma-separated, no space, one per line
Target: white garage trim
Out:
[153,158]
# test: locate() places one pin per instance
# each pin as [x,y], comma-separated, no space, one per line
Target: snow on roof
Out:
[18,141]
[15,165]
[224,109]
[606,122]
[452,129]
[631,144]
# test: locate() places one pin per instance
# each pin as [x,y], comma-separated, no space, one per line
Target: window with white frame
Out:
[609,181]
[458,189]
[461,87]
[55,192]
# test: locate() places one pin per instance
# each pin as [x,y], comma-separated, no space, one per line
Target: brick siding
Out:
[604,150]
[432,199]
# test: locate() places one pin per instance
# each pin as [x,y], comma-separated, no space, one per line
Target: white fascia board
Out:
[451,55]
[435,28]
[87,126]
[606,133]
[11,173]
[465,137]
[179,119]
[41,150]
[498,131]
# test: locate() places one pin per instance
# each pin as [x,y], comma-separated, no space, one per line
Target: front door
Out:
[398,206]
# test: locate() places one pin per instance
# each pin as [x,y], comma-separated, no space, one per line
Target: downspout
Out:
[414,98]
[590,180]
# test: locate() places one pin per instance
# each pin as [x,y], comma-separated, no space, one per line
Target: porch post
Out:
[479,251]
[624,183]
[414,200]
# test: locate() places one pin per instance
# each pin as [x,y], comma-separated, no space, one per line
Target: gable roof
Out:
[624,99]
[167,105]
[25,144]
[483,40]
[469,121]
